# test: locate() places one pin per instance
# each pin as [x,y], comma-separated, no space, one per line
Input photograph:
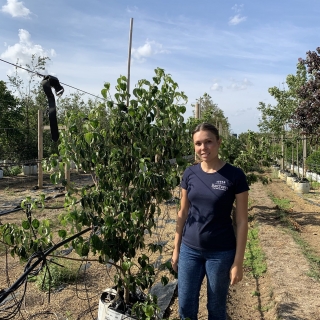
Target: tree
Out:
[250,152]
[11,117]
[307,115]
[210,112]
[275,118]
[128,157]
[26,91]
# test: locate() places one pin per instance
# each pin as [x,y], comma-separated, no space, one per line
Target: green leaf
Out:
[164,280]
[134,216]
[88,137]
[149,311]
[104,93]
[96,242]
[25,225]
[123,86]
[35,223]
[62,233]
[126,265]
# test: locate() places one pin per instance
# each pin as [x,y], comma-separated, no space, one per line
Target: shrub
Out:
[313,162]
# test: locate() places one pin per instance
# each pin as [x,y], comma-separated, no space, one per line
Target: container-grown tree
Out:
[126,148]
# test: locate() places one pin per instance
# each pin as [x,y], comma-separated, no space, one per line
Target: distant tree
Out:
[275,118]
[307,115]
[210,112]
[31,98]
[11,117]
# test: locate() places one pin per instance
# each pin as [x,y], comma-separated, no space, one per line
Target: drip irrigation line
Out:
[43,76]
[41,258]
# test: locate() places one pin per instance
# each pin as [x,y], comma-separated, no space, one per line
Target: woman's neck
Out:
[212,166]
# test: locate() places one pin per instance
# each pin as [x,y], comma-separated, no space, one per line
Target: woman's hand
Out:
[236,273]
[174,260]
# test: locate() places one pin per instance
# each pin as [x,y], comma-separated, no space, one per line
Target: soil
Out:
[285,291]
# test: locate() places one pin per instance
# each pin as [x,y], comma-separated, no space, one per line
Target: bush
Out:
[313,162]
[14,171]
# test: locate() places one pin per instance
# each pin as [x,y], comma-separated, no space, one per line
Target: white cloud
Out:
[16,9]
[216,87]
[239,85]
[132,9]
[24,49]
[148,49]
[237,8]
[243,111]
[237,19]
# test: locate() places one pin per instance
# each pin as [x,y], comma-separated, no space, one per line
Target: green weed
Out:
[283,204]
[255,260]
[315,185]
[255,293]
[62,272]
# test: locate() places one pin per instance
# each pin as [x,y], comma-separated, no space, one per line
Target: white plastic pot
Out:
[29,170]
[290,181]
[302,187]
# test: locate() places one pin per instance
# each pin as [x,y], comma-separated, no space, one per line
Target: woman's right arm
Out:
[181,219]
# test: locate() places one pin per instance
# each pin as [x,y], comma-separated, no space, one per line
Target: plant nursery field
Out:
[283,225]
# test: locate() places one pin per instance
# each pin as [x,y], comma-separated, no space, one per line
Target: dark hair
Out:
[205,126]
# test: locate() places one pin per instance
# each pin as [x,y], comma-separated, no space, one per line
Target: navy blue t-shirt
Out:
[211,196]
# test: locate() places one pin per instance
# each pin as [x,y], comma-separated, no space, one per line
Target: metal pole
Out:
[129,60]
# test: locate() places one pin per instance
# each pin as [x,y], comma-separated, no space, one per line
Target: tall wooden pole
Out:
[197,111]
[282,152]
[129,60]
[40,148]
[197,116]
[298,157]
[220,129]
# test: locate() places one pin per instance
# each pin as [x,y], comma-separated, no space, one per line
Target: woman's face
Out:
[206,145]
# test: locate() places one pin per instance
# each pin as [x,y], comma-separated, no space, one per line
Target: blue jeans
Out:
[193,266]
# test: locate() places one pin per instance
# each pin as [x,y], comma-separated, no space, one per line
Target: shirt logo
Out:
[219,185]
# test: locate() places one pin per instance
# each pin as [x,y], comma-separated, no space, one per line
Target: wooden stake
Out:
[304,156]
[40,148]
[197,111]
[129,60]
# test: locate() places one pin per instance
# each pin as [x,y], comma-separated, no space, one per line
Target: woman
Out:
[205,243]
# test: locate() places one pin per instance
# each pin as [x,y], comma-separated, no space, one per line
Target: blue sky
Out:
[234,51]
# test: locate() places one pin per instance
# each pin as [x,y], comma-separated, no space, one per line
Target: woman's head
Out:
[205,126]
[206,141]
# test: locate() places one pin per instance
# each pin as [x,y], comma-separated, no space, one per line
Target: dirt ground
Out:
[285,291]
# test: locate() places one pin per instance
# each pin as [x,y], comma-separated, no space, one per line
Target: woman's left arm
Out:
[236,271]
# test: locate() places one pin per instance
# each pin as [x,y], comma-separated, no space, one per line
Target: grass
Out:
[308,252]
[283,204]
[255,260]
[315,185]
[60,276]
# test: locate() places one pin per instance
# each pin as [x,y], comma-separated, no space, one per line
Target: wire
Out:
[41,75]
